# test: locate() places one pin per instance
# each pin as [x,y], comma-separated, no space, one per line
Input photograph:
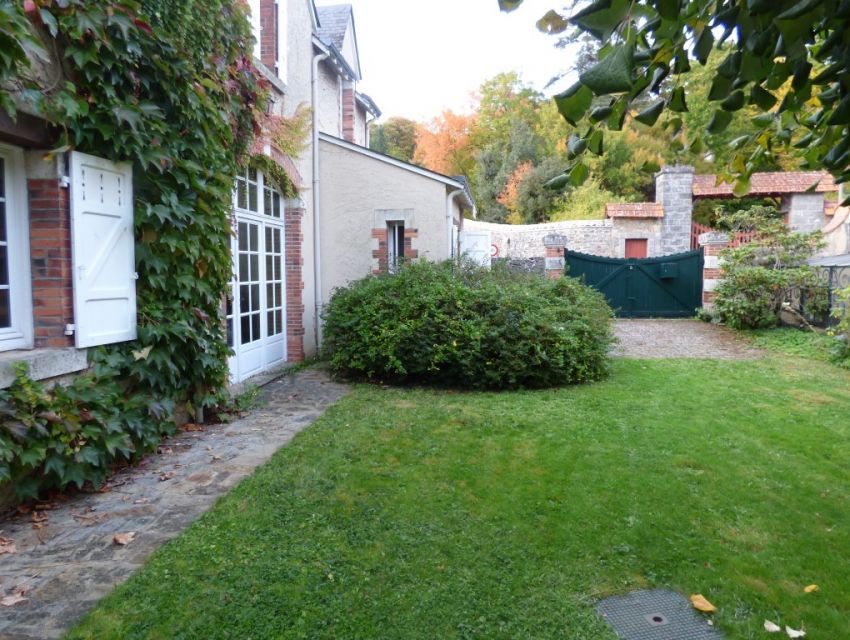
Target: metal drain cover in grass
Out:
[655,615]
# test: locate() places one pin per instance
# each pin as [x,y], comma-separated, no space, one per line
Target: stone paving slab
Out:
[72,562]
[673,338]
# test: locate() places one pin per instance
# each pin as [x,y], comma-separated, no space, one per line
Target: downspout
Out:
[450,219]
[317,205]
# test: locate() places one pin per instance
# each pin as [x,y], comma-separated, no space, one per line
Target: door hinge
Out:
[70,329]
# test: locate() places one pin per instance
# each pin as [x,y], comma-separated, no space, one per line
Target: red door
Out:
[637,248]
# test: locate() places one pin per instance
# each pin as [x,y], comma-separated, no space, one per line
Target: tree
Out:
[396,138]
[798,48]
[443,145]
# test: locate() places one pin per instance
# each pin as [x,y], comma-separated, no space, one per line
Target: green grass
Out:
[426,514]
[794,342]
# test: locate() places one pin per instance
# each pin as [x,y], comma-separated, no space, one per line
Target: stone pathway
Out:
[71,561]
[679,339]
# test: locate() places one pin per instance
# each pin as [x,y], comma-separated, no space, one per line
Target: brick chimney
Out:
[268,33]
[348,111]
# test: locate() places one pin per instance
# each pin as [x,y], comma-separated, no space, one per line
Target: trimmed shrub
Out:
[769,274]
[460,325]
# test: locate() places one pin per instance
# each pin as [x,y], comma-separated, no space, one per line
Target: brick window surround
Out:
[381,254]
[50,258]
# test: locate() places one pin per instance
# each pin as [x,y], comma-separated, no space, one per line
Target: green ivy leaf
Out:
[578,174]
[558,182]
[734,101]
[762,98]
[574,102]
[601,18]
[650,115]
[612,74]
[719,122]
[576,146]
[704,44]
[677,100]
[595,142]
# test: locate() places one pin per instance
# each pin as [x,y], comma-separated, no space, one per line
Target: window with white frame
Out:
[395,245]
[15,288]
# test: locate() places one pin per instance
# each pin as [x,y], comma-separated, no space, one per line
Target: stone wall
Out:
[806,212]
[597,237]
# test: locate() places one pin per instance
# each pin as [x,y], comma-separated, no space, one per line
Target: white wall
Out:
[330,101]
[356,193]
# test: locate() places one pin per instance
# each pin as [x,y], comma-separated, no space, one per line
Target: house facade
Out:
[356,213]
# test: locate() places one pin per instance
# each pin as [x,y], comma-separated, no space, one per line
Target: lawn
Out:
[426,514]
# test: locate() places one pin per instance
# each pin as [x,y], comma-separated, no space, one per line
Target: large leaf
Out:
[574,102]
[703,46]
[719,122]
[612,74]
[552,23]
[677,100]
[602,18]
[509,5]
[649,116]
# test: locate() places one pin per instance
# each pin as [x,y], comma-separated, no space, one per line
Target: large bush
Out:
[465,326]
[770,273]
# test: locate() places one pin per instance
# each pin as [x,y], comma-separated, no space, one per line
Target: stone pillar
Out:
[712,244]
[806,212]
[555,245]
[674,192]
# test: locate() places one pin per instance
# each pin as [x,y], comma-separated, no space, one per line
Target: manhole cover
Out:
[655,615]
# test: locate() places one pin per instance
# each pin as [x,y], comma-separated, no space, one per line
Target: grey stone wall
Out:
[674,191]
[805,212]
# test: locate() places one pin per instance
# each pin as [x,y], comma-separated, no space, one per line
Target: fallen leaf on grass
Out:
[7,546]
[192,427]
[771,627]
[811,588]
[17,596]
[123,539]
[793,633]
[701,604]
[167,475]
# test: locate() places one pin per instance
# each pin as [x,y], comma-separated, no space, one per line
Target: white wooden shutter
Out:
[103,250]
[476,245]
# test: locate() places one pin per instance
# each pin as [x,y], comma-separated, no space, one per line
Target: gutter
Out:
[317,205]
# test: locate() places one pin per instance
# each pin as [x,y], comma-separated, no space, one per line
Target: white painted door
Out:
[476,245]
[256,310]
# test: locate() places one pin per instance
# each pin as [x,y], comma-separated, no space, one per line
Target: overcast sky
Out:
[419,57]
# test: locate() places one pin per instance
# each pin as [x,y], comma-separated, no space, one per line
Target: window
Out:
[15,288]
[395,245]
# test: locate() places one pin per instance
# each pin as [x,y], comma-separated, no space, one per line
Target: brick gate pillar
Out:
[712,244]
[554,245]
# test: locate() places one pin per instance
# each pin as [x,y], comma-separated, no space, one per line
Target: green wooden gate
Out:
[665,287]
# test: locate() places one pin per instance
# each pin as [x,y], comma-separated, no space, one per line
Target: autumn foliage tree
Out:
[443,145]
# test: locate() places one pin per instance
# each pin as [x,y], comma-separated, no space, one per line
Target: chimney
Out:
[268,33]
[348,111]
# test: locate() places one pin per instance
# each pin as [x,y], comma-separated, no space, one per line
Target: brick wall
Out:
[712,244]
[348,115]
[268,33]
[50,255]
[294,284]
[554,246]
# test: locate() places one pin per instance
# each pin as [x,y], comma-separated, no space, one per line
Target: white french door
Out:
[256,309]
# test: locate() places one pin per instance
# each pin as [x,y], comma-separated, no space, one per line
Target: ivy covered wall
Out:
[168,85]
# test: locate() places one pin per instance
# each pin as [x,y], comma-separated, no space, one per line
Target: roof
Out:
[634,210]
[831,261]
[368,104]
[772,183]
[333,23]
[467,189]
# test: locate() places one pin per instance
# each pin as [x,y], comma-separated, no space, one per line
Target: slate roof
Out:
[771,183]
[333,22]
[634,210]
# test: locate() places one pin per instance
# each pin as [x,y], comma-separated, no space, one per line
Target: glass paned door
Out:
[256,310]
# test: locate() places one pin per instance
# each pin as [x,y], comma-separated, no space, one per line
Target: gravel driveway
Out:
[679,339]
